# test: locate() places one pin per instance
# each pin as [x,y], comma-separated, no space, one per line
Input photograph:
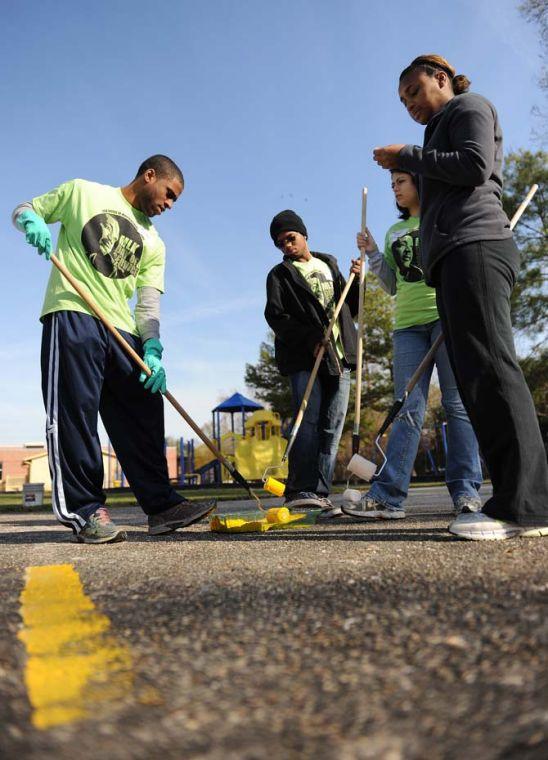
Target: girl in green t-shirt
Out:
[417,325]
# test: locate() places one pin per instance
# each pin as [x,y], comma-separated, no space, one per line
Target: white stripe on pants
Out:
[60,509]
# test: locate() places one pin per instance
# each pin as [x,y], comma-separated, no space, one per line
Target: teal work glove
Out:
[153,350]
[36,232]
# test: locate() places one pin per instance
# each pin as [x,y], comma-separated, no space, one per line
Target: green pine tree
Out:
[267,383]
[530,296]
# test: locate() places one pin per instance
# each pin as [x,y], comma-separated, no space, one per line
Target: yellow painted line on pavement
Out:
[74,662]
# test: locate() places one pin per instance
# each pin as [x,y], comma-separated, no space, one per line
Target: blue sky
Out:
[265,105]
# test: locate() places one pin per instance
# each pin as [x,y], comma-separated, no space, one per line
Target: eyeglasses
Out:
[281,244]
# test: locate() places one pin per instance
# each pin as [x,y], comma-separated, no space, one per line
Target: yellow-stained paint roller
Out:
[272,485]
[86,297]
[278,515]
[359,347]
[359,465]
[277,518]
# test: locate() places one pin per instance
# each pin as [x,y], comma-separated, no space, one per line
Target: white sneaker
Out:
[480,527]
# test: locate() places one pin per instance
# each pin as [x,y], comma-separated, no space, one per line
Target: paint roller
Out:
[351,494]
[272,485]
[237,476]
[363,468]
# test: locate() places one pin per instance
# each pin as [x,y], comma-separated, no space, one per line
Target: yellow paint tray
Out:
[259,522]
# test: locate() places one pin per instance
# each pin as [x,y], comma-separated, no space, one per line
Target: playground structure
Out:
[251,443]
[252,440]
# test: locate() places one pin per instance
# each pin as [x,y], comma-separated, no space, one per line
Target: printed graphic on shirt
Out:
[322,287]
[113,245]
[405,250]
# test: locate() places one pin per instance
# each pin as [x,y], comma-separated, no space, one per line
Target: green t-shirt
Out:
[106,244]
[415,301]
[319,279]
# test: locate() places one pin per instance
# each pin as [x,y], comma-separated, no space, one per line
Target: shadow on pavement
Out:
[418,527]
[32,523]
[306,534]
[35,537]
[426,534]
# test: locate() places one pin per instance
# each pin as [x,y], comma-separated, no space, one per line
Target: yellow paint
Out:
[74,662]
[243,524]
[274,486]
[278,515]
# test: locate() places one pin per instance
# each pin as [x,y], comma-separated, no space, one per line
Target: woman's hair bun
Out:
[461,84]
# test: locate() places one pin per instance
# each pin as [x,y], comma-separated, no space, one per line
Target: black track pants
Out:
[85,372]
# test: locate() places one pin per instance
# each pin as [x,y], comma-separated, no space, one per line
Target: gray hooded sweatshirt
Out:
[460,179]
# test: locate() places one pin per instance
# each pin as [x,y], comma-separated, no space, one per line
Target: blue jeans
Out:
[463,469]
[312,458]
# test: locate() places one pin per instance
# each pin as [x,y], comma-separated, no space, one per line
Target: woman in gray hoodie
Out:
[469,256]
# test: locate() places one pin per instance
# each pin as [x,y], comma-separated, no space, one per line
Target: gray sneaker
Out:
[466,505]
[99,529]
[329,510]
[180,516]
[369,509]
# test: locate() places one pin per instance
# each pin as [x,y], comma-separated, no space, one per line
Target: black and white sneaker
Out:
[305,500]
[180,516]
[329,510]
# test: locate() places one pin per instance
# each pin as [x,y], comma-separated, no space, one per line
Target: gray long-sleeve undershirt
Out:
[147,308]
[147,312]
[17,211]
[379,266]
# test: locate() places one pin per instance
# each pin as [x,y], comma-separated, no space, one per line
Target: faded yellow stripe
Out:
[74,662]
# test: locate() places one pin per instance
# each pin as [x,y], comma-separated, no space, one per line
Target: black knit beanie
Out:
[286,221]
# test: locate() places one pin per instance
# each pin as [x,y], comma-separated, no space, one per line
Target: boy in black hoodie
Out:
[302,292]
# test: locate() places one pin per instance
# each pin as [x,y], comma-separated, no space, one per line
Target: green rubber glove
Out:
[153,351]
[36,232]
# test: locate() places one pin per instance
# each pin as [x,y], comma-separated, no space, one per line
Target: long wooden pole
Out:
[429,356]
[315,368]
[359,352]
[85,296]
[523,205]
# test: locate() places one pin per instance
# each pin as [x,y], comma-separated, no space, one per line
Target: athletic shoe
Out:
[369,509]
[99,529]
[465,505]
[390,514]
[480,527]
[180,516]
[305,499]
[329,510]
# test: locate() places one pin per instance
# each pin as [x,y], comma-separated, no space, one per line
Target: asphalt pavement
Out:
[344,640]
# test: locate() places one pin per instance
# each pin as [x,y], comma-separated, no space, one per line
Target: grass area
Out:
[12,502]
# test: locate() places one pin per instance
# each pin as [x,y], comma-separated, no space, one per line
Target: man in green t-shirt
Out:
[111,247]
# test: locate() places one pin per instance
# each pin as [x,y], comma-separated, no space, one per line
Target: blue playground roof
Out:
[238,403]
